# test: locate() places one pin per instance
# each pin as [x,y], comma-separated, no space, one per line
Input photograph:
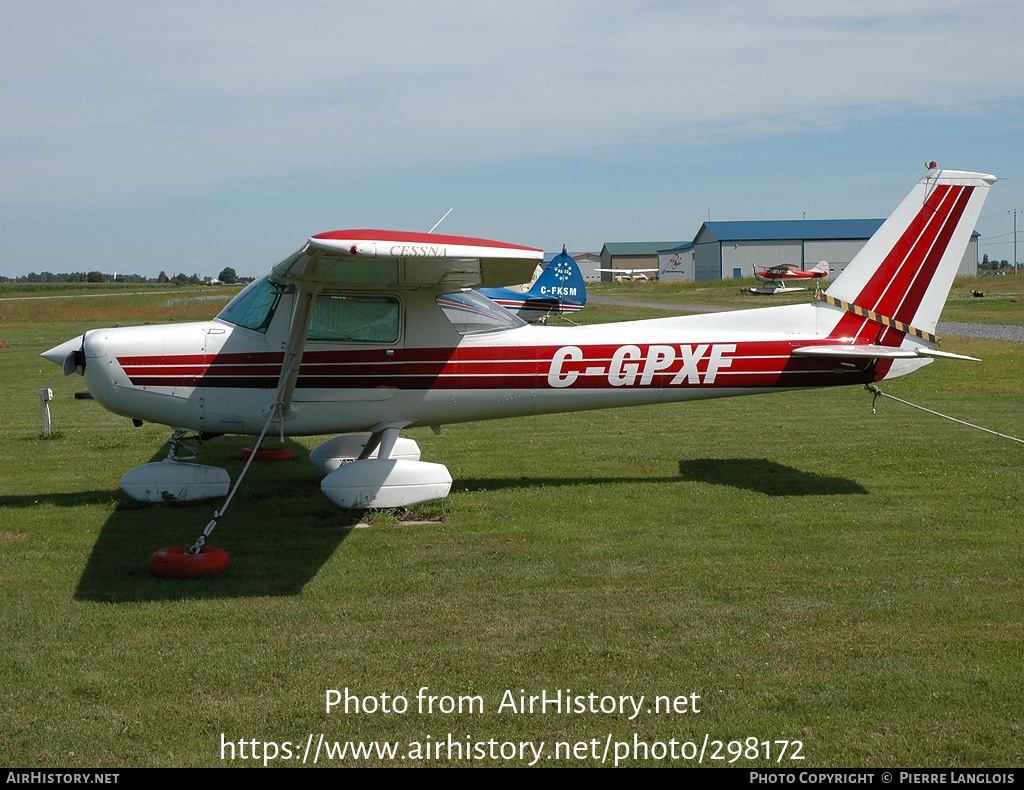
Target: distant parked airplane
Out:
[560,289]
[777,276]
[629,275]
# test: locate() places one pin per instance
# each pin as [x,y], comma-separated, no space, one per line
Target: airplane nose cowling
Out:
[99,373]
[95,344]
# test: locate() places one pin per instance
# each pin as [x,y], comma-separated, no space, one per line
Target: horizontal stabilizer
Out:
[866,351]
[860,351]
[932,352]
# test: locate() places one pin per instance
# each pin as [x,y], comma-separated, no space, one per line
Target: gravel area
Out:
[1009,332]
[985,331]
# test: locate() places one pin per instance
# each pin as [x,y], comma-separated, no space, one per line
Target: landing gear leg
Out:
[183,439]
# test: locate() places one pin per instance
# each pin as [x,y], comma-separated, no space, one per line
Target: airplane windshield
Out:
[470,312]
[254,306]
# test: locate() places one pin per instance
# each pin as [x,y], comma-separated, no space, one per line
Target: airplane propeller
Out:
[75,360]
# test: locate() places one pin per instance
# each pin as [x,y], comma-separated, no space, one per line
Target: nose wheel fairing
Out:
[392,483]
[378,470]
[174,480]
[167,480]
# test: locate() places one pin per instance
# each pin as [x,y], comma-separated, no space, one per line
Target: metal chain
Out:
[874,389]
[201,540]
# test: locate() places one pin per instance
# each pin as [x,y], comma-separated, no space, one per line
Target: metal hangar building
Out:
[732,250]
[631,255]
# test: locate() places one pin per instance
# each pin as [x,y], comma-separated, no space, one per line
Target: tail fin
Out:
[905,271]
[563,281]
[821,266]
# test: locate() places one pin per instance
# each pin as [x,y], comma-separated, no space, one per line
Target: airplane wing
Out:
[387,260]
[383,259]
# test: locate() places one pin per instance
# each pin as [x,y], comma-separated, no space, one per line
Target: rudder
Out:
[561,280]
[906,269]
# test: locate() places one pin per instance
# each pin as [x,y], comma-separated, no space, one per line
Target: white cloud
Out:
[124,99]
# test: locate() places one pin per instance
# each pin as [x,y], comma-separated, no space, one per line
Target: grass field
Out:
[1003,302]
[811,571]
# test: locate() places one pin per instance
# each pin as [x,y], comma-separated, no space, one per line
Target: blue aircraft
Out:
[558,290]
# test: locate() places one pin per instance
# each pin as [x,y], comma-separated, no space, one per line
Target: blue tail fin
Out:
[561,280]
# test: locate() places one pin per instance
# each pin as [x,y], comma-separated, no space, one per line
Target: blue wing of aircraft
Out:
[559,290]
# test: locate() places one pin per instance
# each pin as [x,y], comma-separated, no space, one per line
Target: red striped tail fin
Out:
[905,271]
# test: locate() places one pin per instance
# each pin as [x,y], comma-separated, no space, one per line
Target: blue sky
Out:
[191,136]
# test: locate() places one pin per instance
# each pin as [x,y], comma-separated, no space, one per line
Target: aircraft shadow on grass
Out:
[312,529]
[765,477]
[753,474]
[279,532]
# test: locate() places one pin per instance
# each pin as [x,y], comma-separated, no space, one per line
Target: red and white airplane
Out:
[777,276]
[364,333]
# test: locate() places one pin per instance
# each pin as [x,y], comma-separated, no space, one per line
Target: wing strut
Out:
[302,316]
[306,289]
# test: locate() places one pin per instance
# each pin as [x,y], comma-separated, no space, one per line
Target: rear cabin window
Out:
[470,312]
[355,319]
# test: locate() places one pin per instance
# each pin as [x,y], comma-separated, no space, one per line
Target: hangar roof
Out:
[777,230]
[688,245]
[638,247]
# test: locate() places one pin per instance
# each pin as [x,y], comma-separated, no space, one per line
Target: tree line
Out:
[227,276]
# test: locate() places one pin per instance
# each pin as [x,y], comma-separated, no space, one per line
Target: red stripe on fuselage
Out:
[758,364]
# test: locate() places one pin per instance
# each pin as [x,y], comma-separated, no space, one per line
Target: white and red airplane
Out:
[776,276]
[364,333]
[629,275]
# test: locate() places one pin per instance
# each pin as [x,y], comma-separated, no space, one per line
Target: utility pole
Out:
[1015,212]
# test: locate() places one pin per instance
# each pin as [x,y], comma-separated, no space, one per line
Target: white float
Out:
[328,456]
[392,483]
[160,481]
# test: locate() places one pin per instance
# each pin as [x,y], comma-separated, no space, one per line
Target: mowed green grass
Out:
[1003,301]
[813,571]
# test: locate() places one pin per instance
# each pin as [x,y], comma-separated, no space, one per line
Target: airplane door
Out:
[241,377]
[351,363]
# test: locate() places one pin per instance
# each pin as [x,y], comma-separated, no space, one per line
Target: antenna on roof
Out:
[449,211]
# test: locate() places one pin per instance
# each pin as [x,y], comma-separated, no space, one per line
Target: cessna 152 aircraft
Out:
[776,276]
[559,290]
[376,331]
[629,275]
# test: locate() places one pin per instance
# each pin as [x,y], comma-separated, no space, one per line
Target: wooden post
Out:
[45,396]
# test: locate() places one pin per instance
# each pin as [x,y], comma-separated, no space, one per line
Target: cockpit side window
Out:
[355,319]
[470,312]
[254,306]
